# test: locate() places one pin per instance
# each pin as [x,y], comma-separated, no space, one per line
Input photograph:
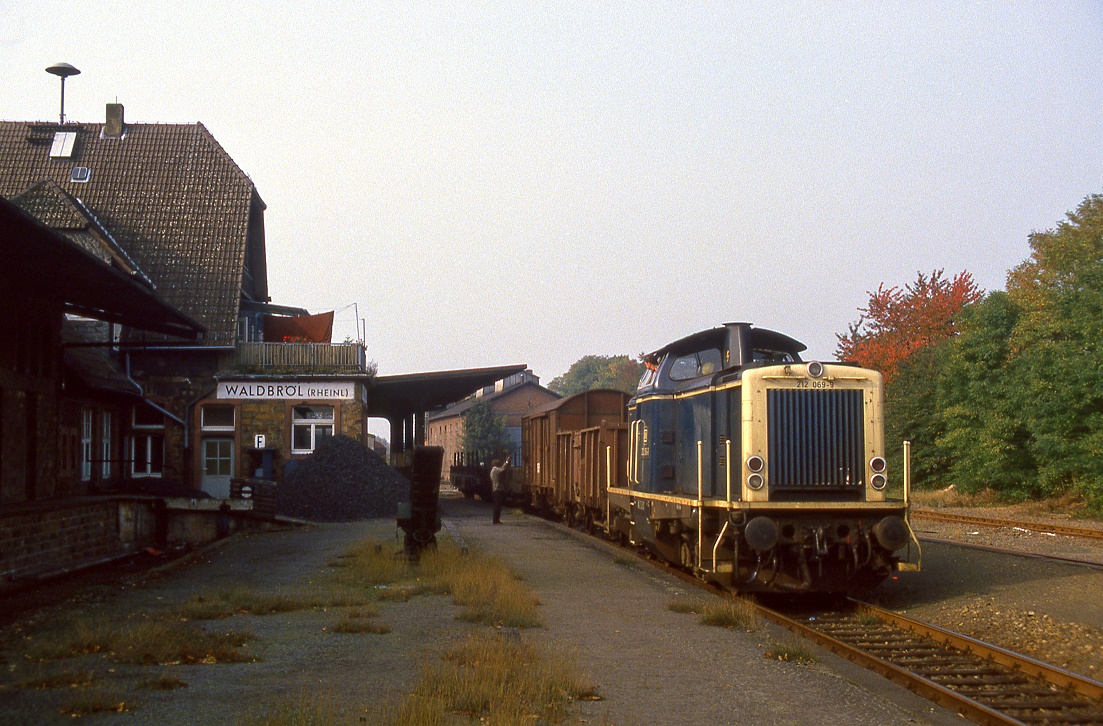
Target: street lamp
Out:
[63,71]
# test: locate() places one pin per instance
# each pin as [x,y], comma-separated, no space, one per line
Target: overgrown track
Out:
[939,516]
[984,683]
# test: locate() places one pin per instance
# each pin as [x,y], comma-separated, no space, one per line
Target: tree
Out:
[1057,342]
[984,435]
[618,372]
[896,323]
[484,433]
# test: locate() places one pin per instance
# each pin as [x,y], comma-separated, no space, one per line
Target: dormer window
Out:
[80,174]
[62,148]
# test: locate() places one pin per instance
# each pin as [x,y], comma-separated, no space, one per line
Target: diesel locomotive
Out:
[735,460]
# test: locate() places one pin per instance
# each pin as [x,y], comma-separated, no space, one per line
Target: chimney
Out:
[115,126]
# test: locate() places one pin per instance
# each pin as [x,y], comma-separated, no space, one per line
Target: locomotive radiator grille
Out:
[817,440]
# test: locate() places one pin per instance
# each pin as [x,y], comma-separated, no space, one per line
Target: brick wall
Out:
[42,539]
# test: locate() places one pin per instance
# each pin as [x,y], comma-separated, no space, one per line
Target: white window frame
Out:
[204,426]
[146,471]
[314,424]
[105,444]
[87,431]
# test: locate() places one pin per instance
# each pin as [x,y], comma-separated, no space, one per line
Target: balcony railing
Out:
[300,358]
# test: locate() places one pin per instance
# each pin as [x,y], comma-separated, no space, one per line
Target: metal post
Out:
[700,498]
[728,468]
[907,472]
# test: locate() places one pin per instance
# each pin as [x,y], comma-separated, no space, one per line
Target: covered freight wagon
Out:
[573,449]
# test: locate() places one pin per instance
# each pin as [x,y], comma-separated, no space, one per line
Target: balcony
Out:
[301,358]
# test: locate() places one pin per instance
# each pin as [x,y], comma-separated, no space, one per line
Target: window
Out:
[701,363]
[105,445]
[217,418]
[81,174]
[147,443]
[86,427]
[147,455]
[310,425]
[62,148]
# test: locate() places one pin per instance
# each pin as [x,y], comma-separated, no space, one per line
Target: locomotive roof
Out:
[761,339]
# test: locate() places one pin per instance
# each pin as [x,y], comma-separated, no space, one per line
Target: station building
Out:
[511,398]
[202,381]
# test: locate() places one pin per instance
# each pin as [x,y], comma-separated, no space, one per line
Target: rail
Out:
[952,517]
[983,683]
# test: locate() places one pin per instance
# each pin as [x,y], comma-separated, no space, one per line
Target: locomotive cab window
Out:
[700,363]
[774,356]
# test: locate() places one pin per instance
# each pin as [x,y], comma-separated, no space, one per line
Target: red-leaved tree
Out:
[899,322]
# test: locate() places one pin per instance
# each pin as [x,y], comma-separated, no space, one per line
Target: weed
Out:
[496,680]
[91,701]
[163,682]
[231,601]
[792,649]
[686,605]
[49,678]
[139,641]
[483,587]
[359,621]
[735,613]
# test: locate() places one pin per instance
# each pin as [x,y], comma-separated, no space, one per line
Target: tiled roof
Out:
[53,206]
[167,193]
[462,407]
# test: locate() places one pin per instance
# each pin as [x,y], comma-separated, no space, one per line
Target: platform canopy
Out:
[396,397]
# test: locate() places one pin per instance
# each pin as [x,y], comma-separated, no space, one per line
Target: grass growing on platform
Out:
[217,604]
[483,586]
[95,700]
[137,640]
[495,680]
[359,620]
[792,648]
[728,613]
[735,613]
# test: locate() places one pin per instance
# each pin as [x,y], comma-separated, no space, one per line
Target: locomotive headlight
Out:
[878,482]
[815,369]
[877,463]
[755,481]
[755,463]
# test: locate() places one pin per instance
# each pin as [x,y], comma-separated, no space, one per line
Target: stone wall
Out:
[45,538]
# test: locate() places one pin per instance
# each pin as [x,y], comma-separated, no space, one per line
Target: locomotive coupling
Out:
[761,534]
[891,533]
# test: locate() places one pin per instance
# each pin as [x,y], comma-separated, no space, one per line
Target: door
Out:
[218,467]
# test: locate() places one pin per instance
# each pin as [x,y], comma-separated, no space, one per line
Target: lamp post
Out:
[63,71]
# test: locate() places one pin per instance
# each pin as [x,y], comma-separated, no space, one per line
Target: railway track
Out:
[1069,531]
[982,682]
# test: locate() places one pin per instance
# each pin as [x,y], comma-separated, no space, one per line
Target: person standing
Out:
[499,480]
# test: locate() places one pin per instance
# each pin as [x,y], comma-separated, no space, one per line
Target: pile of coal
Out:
[342,481]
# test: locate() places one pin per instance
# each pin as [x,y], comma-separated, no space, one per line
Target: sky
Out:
[497,183]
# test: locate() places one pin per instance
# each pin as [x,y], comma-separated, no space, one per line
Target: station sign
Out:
[276,390]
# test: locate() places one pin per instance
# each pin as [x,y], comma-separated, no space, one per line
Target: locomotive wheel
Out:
[589,523]
[685,555]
